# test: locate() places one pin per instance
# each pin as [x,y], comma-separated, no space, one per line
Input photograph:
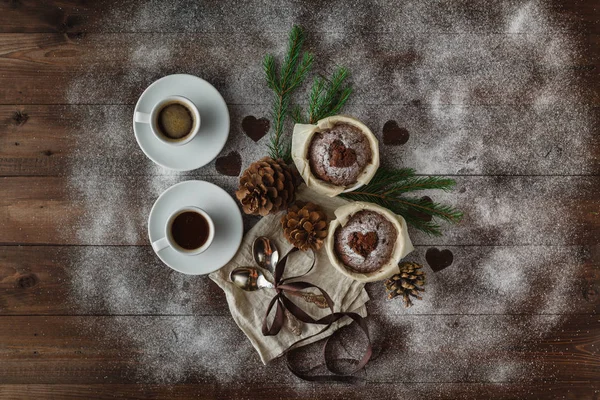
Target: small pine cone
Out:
[305,226]
[266,186]
[407,283]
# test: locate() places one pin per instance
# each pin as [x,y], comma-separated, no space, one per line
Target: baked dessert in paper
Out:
[358,247]
[313,144]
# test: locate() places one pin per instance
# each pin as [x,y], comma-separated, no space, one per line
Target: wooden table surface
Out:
[503,96]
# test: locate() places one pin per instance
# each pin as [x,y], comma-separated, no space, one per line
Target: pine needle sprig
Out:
[297,116]
[388,187]
[335,96]
[270,72]
[293,72]
[327,97]
[315,94]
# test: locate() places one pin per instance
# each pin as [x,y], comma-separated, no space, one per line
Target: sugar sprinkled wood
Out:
[452,107]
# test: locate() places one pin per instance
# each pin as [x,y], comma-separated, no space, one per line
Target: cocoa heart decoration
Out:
[438,260]
[363,243]
[255,128]
[229,165]
[394,135]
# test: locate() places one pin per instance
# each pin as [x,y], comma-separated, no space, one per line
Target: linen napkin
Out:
[248,308]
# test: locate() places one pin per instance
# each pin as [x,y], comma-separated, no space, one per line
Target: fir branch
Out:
[270,73]
[387,187]
[293,72]
[297,115]
[333,95]
[327,97]
[301,72]
[384,177]
[315,94]
[421,183]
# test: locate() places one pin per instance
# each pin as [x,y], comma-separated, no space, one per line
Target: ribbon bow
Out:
[283,303]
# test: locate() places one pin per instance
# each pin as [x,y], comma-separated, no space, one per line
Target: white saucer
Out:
[222,208]
[214,123]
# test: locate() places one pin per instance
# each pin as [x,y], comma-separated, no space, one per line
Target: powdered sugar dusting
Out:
[131,280]
[458,348]
[185,348]
[320,156]
[497,280]
[506,102]
[116,194]
[365,222]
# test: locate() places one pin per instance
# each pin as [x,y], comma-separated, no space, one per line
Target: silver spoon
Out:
[266,255]
[251,279]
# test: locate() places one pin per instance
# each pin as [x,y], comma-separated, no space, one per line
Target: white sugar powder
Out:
[527,64]
[497,280]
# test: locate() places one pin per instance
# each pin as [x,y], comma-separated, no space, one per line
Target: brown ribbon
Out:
[283,303]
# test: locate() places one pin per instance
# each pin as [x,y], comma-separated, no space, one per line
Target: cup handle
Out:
[141,117]
[160,244]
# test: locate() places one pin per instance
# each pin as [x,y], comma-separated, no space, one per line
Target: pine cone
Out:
[408,283]
[266,186]
[305,226]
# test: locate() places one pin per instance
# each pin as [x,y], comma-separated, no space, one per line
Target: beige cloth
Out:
[248,308]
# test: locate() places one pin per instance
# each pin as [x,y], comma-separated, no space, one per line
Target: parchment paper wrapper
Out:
[402,247]
[301,139]
[248,308]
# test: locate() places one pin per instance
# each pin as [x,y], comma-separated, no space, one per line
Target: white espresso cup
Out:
[152,119]
[169,241]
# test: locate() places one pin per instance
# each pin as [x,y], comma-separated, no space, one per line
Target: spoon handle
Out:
[294,325]
[316,299]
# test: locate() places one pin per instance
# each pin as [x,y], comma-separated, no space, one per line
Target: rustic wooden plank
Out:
[274,391]
[101,210]
[87,350]
[79,280]
[54,140]
[45,280]
[397,69]
[191,16]
[387,49]
[42,16]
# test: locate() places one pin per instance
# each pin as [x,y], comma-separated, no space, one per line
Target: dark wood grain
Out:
[39,281]
[116,68]
[52,210]
[78,16]
[56,350]
[70,73]
[450,391]
[50,140]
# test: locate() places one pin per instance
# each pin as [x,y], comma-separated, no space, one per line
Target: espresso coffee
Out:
[190,230]
[175,121]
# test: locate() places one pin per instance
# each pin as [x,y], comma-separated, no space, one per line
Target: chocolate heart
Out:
[438,260]
[341,156]
[393,135]
[363,243]
[229,165]
[255,128]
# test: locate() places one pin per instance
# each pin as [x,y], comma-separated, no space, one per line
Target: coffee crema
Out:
[190,230]
[175,121]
